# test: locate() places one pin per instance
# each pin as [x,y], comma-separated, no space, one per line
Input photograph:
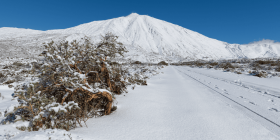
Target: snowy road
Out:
[175,106]
[186,104]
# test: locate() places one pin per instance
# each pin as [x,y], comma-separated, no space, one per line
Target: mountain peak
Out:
[133,14]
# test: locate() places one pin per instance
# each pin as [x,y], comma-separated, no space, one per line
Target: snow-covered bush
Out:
[137,62]
[75,83]
[163,63]
[226,66]
[261,74]
[2,78]
[18,64]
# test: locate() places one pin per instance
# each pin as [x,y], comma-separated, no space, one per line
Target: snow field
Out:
[172,106]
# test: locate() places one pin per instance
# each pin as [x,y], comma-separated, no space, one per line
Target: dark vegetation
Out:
[2,75]
[137,62]
[260,67]
[163,63]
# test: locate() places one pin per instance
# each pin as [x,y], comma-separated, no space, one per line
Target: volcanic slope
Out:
[148,40]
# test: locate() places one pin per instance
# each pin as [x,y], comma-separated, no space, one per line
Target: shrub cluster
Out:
[15,72]
[259,67]
[75,83]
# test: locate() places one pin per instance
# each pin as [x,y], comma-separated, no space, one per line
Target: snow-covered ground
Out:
[180,103]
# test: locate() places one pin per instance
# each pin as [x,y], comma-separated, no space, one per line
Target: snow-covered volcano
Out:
[148,39]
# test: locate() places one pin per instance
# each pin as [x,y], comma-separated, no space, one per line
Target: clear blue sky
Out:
[232,21]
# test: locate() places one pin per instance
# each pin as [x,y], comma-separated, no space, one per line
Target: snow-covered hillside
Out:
[148,40]
[264,48]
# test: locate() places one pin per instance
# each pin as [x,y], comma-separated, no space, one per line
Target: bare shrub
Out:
[2,75]
[137,62]
[256,66]
[18,64]
[163,63]
[6,67]
[18,78]
[213,64]
[3,79]
[9,82]
[209,66]
[198,64]
[261,62]
[237,72]
[76,83]
[261,74]
[226,66]
[24,72]
[114,63]
[35,65]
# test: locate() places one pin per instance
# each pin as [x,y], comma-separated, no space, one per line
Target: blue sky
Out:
[232,21]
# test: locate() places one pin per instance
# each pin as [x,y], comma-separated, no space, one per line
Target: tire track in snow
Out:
[272,122]
[250,87]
